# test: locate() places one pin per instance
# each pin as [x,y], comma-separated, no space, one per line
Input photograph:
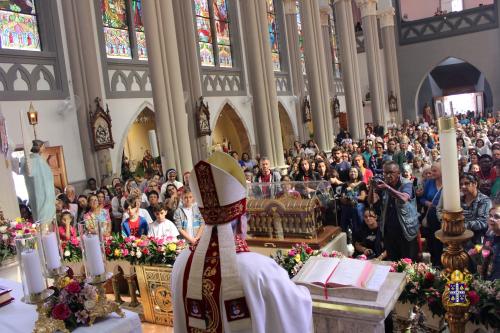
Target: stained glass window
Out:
[116,31]
[140,36]
[18,25]
[273,35]
[301,38]
[334,48]
[214,37]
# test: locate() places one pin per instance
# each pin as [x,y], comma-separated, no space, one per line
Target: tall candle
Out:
[449,164]
[32,271]
[51,249]
[95,263]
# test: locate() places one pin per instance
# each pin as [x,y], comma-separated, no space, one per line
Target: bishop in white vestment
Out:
[219,285]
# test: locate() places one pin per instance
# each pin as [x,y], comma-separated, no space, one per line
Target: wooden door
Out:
[55,158]
[343,120]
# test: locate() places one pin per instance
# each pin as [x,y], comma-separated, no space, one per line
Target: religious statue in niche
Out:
[336,107]
[203,118]
[307,110]
[393,103]
[100,122]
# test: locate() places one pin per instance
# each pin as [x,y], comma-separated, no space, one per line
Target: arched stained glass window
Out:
[19,26]
[214,37]
[140,36]
[334,44]
[273,34]
[116,30]
[301,38]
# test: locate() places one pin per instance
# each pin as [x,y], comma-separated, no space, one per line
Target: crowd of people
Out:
[385,191]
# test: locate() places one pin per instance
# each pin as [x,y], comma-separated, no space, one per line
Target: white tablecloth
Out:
[18,317]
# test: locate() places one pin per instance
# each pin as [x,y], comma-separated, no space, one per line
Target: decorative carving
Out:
[393,103]
[335,106]
[202,118]
[306,109]
[215,84]
[100,122]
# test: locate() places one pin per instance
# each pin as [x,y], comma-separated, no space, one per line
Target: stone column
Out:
[386,18]
[350,67]
[168,96]
[85,64]
[375,72]
[261,80]
[314,52]
[296,75]
[8,200]
[190,71]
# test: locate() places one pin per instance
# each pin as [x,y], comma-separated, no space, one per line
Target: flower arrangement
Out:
[481,256]
[484,298]
[72,303]
[72,251]
[424,285]
[144,250]
[9,230]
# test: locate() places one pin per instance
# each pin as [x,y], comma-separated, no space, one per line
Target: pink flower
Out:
[19,226]
[75,241]
[407,261]
[127,240]
[485,253]
[61,311]
[125,252]
[361,257]
[160,241]
[324,254]
[292,253]
[26,231]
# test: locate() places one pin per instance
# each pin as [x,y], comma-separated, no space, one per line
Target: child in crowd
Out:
[65,224]
[134,225]
[161,227]
[367,239]
[188,218]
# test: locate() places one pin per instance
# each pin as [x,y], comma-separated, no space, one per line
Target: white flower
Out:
[138,254]
[89,305]
[5,237]
[3,229]
[132,253]
[67,253]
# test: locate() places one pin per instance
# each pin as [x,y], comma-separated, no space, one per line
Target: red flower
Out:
[429,277]
[309,250]
[473,297]
[108,251]
[73,287]
[407,261]
[61,311]
[145,251]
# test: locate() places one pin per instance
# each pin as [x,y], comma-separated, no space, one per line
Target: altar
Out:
[19,317]
[354,316]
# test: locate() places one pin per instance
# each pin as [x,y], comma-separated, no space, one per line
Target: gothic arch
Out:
[429,69]
[230,126]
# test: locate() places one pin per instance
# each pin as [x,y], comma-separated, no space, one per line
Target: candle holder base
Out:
[103,306]
[44,324]
[58,276]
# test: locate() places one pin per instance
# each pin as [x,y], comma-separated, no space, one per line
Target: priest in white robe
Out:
[219,285]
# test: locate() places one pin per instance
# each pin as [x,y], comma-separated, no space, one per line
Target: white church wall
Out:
[57,123]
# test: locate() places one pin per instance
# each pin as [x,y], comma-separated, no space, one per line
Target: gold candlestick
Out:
[103,306]
[455,260]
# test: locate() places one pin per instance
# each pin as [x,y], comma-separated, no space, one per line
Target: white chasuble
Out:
[276,304]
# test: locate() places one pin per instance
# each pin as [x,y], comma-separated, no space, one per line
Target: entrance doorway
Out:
[229,133]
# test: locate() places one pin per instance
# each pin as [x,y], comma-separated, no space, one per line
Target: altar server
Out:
[218,285]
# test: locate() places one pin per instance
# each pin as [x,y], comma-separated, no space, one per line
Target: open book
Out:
[347,278]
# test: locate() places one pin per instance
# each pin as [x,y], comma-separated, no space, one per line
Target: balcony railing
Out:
[452,24]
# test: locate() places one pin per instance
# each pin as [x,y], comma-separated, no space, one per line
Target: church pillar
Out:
[261,80]
[190,71]
[295,66]
[84,60]
[386,18]
[375,73]
[8,200]
[314,52]
[350,67]
[168,96]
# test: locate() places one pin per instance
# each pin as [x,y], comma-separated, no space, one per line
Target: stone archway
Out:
[287,133]
[230,131]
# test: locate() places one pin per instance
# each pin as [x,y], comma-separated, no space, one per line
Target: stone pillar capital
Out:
[290,7]
[386,17]
[367,7]
[337,1]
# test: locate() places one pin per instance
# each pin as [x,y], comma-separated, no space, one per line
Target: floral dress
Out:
[102,218]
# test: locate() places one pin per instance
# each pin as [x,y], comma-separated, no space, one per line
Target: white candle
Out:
[449,166]
[153,143]
[32,271]
[95,263]
[51,250]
